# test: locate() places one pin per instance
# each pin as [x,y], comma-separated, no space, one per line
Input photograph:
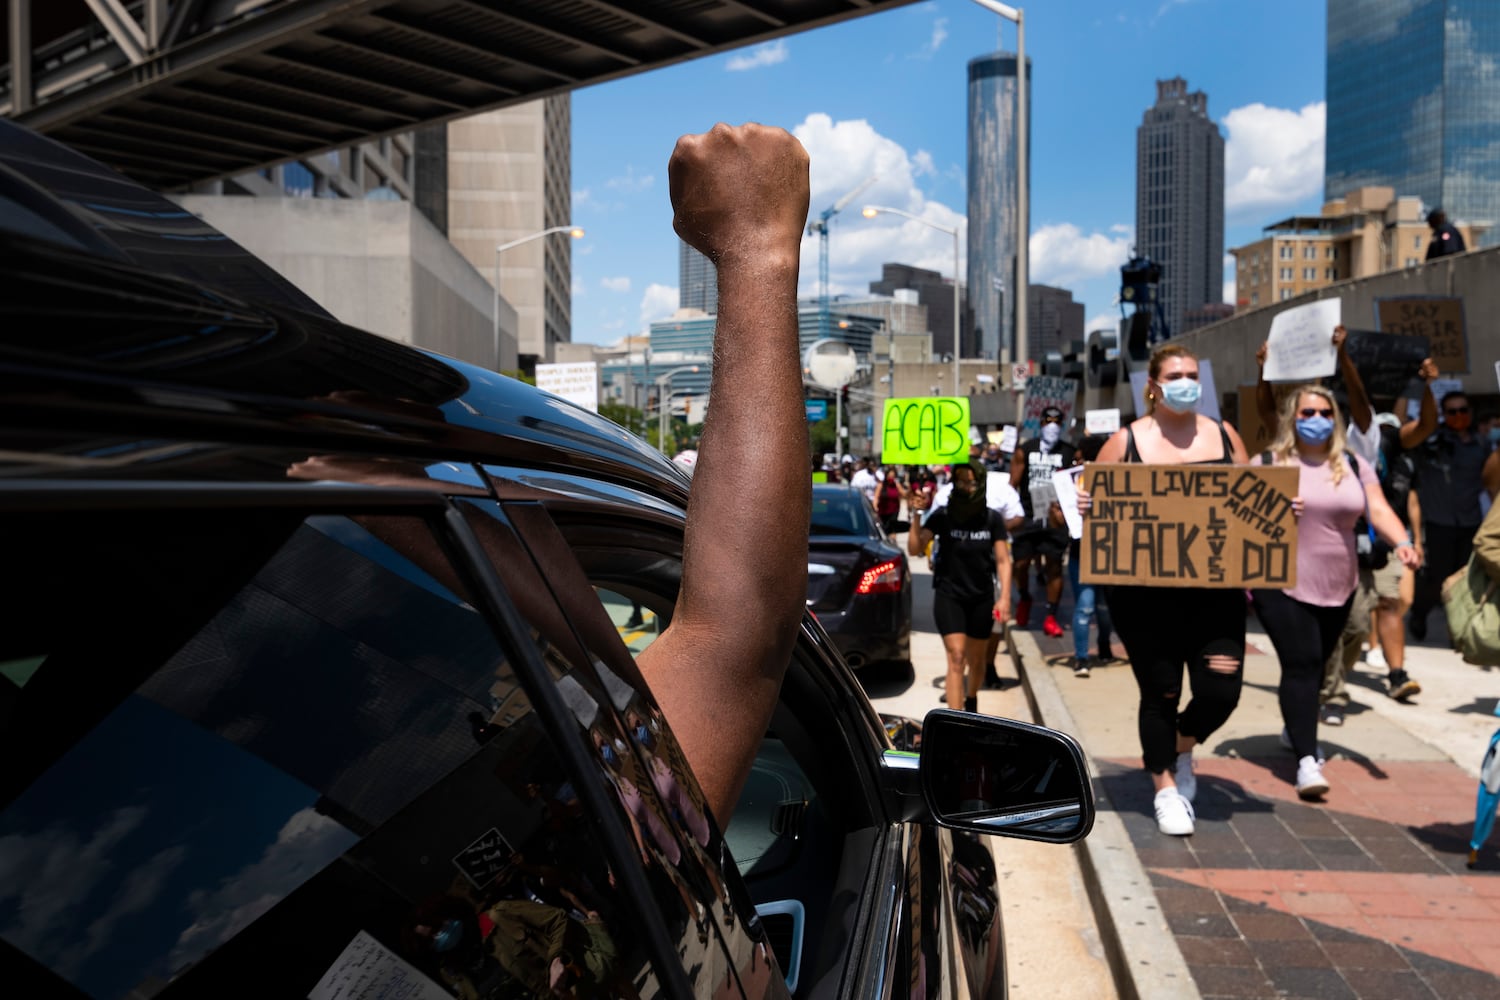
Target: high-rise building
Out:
[1413,98]
[935,293]
[697,281]
[994,201]
[509,176]
[1179,199]
[1054,322]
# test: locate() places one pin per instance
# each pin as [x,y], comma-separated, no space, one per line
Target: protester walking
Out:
[1040,539]
[1165,629]
[1089,603]
[973,562]
[1450,468]
[1305,621]
[888,497]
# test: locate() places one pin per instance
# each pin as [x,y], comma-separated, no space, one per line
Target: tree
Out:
[823,436]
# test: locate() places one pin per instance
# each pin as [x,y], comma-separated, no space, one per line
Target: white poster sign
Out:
[1300,347]
[1065,482]
[1008,435]
[577,383]
[368,970]
[1102,421]
[1208,405]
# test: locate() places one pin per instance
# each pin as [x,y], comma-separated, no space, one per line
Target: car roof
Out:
[111,323]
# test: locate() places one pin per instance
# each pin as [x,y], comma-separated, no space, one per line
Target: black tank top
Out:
[1132,454]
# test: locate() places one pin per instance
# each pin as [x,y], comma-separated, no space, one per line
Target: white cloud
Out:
[1273,159]
[1103,321]
[1061,254]
[658,302]
[305,845]
[934,42]
[630,183]
[1229,279]
[581,197]
[768,54]
[620,284]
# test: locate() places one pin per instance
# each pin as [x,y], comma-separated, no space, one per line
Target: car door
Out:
[303,740]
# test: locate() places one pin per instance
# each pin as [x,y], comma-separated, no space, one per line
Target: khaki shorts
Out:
[1387,581]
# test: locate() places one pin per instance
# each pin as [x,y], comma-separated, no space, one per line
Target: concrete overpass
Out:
[176,91]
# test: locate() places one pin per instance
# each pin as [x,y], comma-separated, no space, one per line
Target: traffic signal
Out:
[844,395]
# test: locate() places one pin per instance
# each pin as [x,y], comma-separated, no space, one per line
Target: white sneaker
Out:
[1187,781]
[1286,743]
[1311,784]
[1174,814]
[1376,658]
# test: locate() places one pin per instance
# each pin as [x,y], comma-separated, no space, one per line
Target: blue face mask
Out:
[642,734]
[608,753]
[1181,395]
[1315,430]
[448,936]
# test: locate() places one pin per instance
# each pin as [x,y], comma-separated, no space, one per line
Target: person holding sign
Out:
[1208,636]
[1304,623]
[972,553]
[1044,536]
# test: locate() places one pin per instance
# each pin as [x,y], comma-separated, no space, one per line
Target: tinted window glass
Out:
[261,754]
[840,512]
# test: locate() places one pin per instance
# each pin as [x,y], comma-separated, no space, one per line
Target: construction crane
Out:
[820,227]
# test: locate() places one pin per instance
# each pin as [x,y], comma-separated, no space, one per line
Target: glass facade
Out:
[993,203]
[1413,101]
[697,281]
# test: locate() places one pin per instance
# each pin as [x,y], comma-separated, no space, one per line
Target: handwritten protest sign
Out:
[1102,421]
[1208,405]
[368,970]
[1439,319]
[1300,347]
[1043,391]
[1387,363]
[1255,434]
[1190,526]
[484,859]
[926,430]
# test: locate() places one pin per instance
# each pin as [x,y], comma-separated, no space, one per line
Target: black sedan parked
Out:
[858,584]
[315,681]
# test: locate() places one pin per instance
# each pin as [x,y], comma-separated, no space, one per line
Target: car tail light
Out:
[882,579]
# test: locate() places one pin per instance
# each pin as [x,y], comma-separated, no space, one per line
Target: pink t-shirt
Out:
[1327,567]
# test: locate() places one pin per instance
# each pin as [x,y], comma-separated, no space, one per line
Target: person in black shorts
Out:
[972,553]
[1044,536]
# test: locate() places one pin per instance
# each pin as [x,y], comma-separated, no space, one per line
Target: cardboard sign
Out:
[928,430]
[1102,421]
[577,383]
[1439,319]
[484,859]
[1043,391]
[1255,434]
[1387,363]
[1219,526]
[1208,405]
[1300,347]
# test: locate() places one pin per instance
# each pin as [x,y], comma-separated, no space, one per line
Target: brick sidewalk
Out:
[1366,896]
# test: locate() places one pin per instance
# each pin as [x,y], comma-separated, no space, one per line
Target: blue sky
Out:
[886,94]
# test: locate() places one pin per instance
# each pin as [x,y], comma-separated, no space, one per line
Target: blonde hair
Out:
[1159,357]
[1285,442]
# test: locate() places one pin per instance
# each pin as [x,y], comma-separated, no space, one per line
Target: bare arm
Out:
[1385,522]
[740,197]
[1359,402]
[1002,573]
[1414,432]
[1237,453]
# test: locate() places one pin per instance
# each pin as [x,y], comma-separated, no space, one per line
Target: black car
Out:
[858,583]
[317,676]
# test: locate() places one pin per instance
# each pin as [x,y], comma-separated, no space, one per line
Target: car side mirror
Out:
[999,776]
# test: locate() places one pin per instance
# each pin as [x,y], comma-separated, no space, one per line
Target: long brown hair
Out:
[1159,357]
[1285,442]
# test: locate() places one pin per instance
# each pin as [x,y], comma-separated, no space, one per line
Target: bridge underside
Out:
[176,91]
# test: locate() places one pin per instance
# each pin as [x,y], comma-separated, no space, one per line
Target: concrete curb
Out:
[1139,944]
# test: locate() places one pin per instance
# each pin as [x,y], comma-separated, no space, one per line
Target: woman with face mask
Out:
[973,561]
[1167,630]
[1304,622]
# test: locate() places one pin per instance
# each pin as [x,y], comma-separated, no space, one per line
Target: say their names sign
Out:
[1439,319]
[1190,526]
[927,430]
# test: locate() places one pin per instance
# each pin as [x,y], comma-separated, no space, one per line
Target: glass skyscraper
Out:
[1414,103]
[697,280]
[993,203]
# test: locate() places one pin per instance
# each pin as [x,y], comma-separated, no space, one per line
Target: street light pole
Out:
[1023,162]
[870,211]
[570,229]
[662,401]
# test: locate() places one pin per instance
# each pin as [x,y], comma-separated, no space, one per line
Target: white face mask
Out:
[1050,434]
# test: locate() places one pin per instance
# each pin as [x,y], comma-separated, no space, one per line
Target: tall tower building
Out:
[697,281]
[1413,98]
[509,176]
[1179,199]
[994,202]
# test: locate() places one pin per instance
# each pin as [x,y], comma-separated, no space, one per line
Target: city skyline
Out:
[886,94]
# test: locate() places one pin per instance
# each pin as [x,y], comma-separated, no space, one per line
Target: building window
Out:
[1416,242]
[1330,273]
[1255,298]
[1309,252]
[1286,293]
[1333,253]
[1286,274]
[1309,274]
[1288,251]
[1411,262]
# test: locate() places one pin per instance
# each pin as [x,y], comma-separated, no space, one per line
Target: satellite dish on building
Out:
[830,363]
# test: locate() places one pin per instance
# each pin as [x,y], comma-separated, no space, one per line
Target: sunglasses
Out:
[1456,410]
[1308,411]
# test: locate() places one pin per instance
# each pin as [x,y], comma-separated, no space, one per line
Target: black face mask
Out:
[966,506]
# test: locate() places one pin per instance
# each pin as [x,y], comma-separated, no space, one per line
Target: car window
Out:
[261,752]
[840,512]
